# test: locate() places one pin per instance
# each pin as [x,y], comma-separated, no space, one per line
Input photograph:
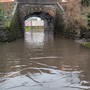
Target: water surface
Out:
[41,62]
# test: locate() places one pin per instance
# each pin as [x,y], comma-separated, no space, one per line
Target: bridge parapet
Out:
[28,10]
[39,1]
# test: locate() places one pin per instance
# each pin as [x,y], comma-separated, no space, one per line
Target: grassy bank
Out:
[37,28]
[28,28]
[87,44]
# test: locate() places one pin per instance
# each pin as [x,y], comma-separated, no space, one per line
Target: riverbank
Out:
[84,42]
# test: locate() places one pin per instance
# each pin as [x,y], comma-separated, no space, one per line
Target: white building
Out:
[34,21]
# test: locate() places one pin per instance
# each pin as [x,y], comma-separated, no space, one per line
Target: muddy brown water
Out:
[41,62]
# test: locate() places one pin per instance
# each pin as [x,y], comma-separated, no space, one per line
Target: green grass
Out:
[28,28]
[87,44]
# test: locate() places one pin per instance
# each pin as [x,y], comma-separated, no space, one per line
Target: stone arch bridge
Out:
[48,10]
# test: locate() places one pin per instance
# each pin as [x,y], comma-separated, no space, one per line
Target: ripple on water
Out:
[54,80]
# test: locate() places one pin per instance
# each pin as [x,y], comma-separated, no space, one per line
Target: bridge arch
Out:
[46,17]
[42,15]
[46,13]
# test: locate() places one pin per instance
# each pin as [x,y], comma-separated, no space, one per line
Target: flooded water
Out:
[41,62]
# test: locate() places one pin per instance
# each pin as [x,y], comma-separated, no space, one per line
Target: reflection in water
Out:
[34,38]
[43,63]
[38,37]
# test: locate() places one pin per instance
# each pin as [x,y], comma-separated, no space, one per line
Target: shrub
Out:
[88,21]
[1,14]
[85,2]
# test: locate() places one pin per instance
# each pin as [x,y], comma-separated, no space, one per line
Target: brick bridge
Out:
[48,10]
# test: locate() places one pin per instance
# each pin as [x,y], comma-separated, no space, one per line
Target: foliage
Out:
[85,2]
[1,14]
[88,21]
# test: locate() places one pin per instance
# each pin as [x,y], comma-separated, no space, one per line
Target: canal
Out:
[42,62]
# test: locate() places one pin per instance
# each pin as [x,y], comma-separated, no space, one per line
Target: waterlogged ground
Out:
[41,62]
